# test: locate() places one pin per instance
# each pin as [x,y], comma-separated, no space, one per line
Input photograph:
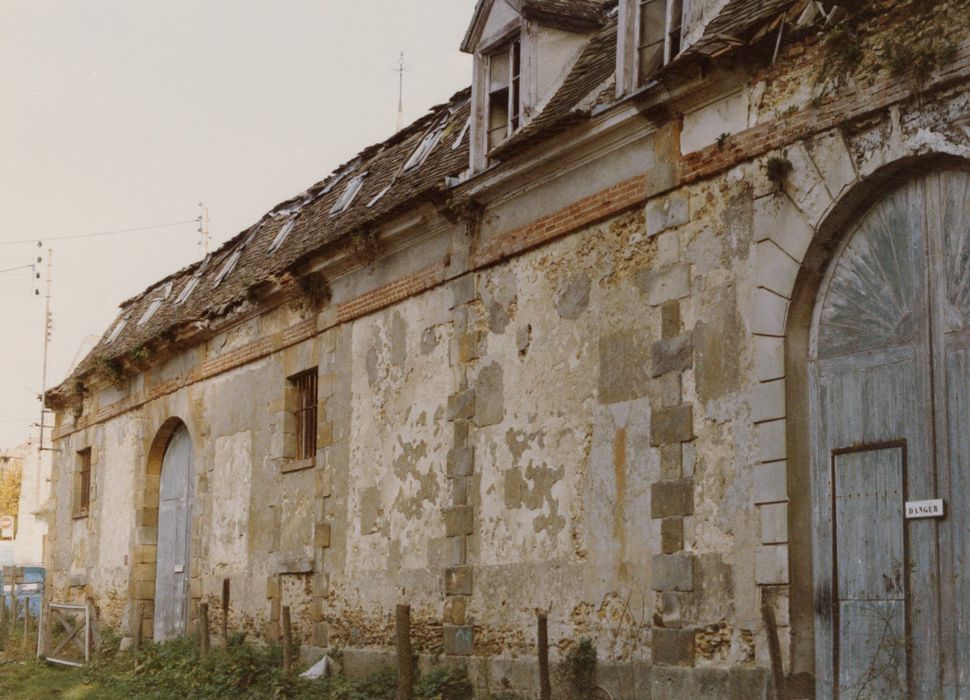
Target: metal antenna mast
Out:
[400,70]
[48,329]
[204,228]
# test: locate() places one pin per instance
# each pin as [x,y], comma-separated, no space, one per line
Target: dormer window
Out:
[649,38]
[504,91]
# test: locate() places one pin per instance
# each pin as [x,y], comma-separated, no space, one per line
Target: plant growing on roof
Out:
[111,368]
[78,391]
[141,354]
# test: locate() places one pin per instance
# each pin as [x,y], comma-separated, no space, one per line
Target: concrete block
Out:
[660,285]
[672,354]
[833,160]
[461,405]
[670,319]
[623,371]
[672,535]
[462,290]
[777,219]
[768,401]
[769,358]
[460,434]
[671,390]
[770,482]
[772,444]
[320,585]
[670,499]
[672,647]
[771,565]
[769,313]
[459,521]
[672,604]
[321,535]
[774,269]
[321,634]
[490,395]
[457,554]
[689,461]
[774,523]
[461,462]
[459,640]
[459,491]
[458,580]
[673,572]
[455,610]
[669,425]
[805,186]
[667,212]
[670,461]
[668,248]
[469,346]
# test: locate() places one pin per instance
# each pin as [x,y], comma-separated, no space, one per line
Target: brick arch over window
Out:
[782,342]
[142,581]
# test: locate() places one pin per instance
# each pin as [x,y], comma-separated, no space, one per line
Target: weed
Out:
[316,290]
[110,367]
[777,169]
[722,139]
[444,684]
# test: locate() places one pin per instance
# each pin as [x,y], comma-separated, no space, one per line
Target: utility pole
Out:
[204,228]
[48,329]
[400,70]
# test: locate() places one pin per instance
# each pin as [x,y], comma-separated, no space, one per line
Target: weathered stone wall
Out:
[587,401]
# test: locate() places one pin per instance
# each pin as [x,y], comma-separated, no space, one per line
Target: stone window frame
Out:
[301,415]
[83,473]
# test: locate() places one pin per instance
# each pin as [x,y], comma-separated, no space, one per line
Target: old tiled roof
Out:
[249,261]
[314,228]
[570,14]
[736,23]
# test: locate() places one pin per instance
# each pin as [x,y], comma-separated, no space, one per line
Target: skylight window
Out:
[116,331]
[380,195]
[281,236]
[461,136]
[347,198]
[228,267]
[150,311]
[187,289]
[427,145]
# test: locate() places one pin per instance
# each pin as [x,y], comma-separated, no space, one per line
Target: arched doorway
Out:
[171,612]
[889,377]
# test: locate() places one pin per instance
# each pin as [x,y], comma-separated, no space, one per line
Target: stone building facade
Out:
[600,336]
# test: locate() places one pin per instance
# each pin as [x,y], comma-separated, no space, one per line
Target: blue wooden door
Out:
[174,520]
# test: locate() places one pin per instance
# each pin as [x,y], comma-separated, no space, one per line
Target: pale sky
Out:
[121,114]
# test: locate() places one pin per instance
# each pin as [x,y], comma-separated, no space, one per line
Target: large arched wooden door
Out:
[174,519]
[890,382]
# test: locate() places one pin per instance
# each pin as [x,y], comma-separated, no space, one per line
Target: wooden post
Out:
[287,640]
[545,686]
[4,617]
[405,662]
[13,609]
[225,609]
[139,621]
[26,624]
[204,629]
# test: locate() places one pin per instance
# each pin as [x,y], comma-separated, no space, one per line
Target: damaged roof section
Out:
[574,15]
[421,163]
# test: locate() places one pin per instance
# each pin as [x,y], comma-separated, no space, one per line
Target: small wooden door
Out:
[174,513]
[890,375]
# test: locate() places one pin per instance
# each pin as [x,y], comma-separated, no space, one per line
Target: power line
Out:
[14,269]
[100,233]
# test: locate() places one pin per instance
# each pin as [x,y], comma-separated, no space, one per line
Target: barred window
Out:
[305,412]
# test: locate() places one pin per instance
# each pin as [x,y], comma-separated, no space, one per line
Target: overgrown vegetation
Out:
[176,670]
[579,670]
[10,476]
[777,169]
[316,290]
[110,367]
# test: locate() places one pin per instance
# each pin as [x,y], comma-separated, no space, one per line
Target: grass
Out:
[175,670]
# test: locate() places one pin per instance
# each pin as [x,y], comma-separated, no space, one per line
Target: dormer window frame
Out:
[513,42]
[634,42]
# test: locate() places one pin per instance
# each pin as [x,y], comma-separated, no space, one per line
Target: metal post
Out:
[204,629]
[225,610]
[545,687]
[140,611]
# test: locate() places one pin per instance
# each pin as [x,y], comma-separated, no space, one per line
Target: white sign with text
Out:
[924,509]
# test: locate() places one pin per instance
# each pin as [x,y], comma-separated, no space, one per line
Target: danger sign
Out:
[6,525]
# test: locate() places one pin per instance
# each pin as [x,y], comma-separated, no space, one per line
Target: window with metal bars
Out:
[304,387]
[83,501]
